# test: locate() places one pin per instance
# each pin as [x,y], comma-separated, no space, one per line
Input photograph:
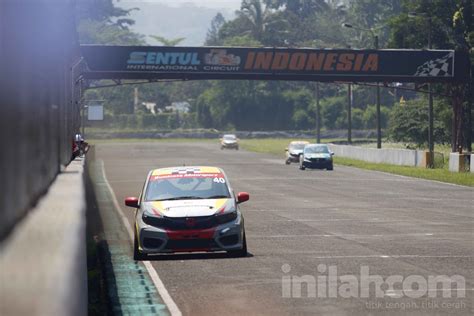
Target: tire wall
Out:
[38,112]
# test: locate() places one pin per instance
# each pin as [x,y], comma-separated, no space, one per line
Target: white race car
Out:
[188,209]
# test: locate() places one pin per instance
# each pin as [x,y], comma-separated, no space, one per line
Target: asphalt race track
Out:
[314,226]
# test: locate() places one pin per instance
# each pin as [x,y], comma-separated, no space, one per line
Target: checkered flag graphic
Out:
[185,170]
[441,67]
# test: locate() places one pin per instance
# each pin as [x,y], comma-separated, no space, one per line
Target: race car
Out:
[294,150]
[229,141]
[188,209]
[316,156]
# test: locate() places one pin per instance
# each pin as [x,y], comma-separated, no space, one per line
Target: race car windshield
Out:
[297,146]
[187,188]
[229,137]
[317,150]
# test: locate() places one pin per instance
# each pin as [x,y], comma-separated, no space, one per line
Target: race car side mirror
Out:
[242,197]
[132,202]
[332,154]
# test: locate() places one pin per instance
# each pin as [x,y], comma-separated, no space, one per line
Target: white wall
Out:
[401,157]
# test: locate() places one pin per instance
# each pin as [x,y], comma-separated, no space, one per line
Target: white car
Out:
[294,150]
[188,209]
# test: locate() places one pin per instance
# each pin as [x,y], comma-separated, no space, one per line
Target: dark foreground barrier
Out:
[38,114]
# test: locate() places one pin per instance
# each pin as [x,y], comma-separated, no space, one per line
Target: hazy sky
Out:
[171,19]
[228,4]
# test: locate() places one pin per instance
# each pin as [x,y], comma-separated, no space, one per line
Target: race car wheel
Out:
[287,162]
[241,252]
[330,168]
[302,167]
[137,255]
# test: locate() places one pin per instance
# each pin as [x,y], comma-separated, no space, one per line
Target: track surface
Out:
[297,220]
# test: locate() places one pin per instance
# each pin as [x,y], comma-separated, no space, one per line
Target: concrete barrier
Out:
[43,265]
[401,157]
[472,163]
[459,162]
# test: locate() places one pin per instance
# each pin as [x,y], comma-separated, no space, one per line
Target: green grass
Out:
[277,147]
[443,175]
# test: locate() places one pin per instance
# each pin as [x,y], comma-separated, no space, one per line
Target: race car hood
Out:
[188,208]
[296,152]
[229,141]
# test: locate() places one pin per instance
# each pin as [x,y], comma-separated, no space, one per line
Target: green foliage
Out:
[370,116]
[409,123]
[243,40]
[358,119]
[96,32]
[451,25]
[100,22]
[212,37]
[333,112]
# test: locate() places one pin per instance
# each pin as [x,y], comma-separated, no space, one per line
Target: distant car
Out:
[229,141]
[294,150]
[316,156]
[188,209]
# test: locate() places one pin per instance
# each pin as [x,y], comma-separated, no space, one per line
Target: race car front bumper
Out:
[317,163]
[224,237]
[230,145]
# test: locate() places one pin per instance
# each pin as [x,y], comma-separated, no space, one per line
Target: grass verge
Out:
[277,147]
[443,175]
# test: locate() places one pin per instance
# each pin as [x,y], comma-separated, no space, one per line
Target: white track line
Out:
[167,299]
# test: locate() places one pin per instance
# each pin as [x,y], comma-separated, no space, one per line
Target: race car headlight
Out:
[152,220]
[226,217]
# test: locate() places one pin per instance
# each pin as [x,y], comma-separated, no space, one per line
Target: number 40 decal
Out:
[219,180]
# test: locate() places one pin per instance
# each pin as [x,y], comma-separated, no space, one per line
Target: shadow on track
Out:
[195,256]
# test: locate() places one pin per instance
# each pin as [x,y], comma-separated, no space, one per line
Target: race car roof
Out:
[186,170]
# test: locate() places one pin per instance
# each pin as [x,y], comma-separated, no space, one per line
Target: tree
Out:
[100,22]
[262,23]
[409,123]
[333,112]
[301,8]
[95,32]
[451,22]
[212,37]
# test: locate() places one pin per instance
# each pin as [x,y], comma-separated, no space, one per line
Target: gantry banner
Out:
[163,62]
